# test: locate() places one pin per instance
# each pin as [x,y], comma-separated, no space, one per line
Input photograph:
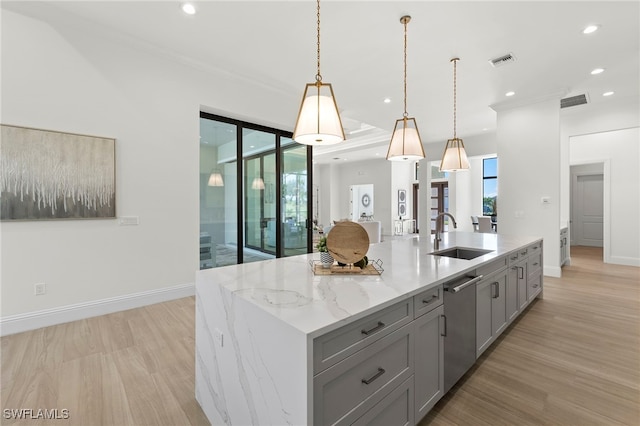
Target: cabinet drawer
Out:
[513,258]
[534,286]
[345,391]
[427,300]
[535,263]
[339,344]
[535,247]
[492,267]
[395,409]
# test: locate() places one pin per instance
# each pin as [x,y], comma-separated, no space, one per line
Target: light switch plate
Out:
[128,220]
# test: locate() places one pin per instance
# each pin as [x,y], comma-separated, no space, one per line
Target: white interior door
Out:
[588,210]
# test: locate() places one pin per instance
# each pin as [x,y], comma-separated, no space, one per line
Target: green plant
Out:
[322,245]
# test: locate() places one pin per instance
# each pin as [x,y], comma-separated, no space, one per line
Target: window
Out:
[490,186]
[254,187]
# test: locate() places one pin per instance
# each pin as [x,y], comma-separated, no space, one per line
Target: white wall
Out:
[612,114]
[341,176]
[619,151]
[62,77]
[529,169]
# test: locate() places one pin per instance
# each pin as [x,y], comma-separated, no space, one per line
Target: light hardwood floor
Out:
[572,359]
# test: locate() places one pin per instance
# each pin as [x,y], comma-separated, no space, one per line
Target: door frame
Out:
[606,191]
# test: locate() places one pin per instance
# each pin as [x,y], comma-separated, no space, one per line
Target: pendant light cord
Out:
[318,76]
[455,61]
[405,20]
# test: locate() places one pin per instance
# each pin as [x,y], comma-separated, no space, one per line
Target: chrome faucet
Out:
[437,239]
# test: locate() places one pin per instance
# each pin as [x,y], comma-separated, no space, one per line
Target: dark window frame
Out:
[240,124]
[485,177]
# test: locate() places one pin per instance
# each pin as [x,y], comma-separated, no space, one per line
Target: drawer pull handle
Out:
[380,372]
[378,327]
[444,322]
[460,287]
[535,264]
[496,286]
[435,296]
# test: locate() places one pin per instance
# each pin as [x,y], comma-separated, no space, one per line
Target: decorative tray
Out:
[373,268]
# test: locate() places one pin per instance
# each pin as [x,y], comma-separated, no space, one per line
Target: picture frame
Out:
[50,175]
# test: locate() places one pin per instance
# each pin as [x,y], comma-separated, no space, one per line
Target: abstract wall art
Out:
[54,175]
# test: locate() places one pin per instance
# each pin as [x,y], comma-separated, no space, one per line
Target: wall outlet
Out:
[40,289]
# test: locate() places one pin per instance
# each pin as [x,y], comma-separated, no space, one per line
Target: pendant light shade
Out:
[257,183]
[405,141]
[215,178]
[454,158]
[318,120]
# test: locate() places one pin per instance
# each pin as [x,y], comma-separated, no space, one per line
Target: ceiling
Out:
[273,43]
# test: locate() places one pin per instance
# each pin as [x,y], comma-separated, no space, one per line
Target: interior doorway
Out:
[587,205]
[439,203]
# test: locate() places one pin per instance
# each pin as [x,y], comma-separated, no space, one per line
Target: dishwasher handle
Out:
[463,285]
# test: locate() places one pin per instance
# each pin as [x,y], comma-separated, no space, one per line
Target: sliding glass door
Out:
[257,208]
[295,198]
[258,150]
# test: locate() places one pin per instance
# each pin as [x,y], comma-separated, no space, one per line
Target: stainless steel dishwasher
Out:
[460,328]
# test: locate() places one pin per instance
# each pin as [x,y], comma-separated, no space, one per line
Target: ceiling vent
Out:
[572,101]
[502,60]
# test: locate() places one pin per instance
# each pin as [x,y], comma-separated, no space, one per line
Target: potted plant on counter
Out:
[325,256]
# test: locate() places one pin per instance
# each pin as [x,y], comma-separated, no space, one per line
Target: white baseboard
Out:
[32,320]
[552,271]
[620,260]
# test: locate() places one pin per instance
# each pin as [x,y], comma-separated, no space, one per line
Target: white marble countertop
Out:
[316,304]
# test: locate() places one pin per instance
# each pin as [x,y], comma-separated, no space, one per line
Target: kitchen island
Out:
[276,344]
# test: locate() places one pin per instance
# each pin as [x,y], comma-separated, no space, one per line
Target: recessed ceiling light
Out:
[387,100]
[597,71]
[484,129]
[252,146]
[590,29]
[510,93]
[608,93]
[188,8]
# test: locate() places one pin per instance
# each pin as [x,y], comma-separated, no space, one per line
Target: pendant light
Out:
[257,183]
[454,157]
[405,142]
[318,120]
[215,178]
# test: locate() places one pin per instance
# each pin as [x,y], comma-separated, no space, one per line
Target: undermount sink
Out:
[461,252]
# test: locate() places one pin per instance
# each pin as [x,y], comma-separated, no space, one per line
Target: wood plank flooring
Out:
[572,359]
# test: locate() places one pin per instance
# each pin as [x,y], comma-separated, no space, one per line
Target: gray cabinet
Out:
[564,246]
[521,276]
[395,409]
[513,304]
[345,341]
[491,310]
[347,390]
[429,360]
